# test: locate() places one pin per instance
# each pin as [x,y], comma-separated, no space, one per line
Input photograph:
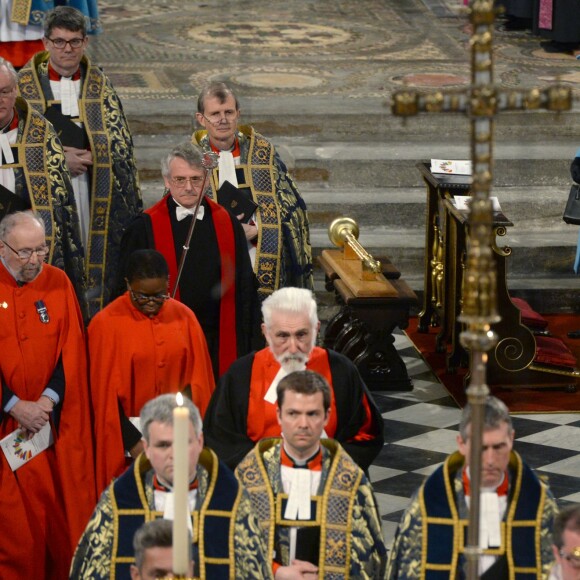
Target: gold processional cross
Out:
[481,102]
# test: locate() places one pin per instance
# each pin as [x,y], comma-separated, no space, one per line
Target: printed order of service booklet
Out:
[451,166]
[19,450]
[462,202]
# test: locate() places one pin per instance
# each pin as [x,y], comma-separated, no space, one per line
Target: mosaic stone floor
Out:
[305,48]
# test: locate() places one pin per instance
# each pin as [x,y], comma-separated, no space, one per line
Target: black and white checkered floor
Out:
[421,428]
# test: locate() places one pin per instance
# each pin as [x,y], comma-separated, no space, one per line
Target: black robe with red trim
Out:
[217,282]
[225,423]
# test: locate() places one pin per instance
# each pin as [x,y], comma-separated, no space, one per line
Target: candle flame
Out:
[179,399]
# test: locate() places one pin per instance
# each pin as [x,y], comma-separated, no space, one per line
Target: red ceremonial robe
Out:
[46,503]
[163,239]
[135,358]
[238,416]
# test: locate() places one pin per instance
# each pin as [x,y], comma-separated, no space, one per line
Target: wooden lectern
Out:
[374,301]
[511,362]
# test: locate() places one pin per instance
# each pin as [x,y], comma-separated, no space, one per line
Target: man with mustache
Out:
[242,409]
[47,499]
[33,175]
[517,510]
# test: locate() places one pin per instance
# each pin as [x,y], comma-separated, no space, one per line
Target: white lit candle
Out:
[180,487]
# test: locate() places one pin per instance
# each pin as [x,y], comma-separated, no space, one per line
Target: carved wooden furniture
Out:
[439,188]
[370,311]
[511,361]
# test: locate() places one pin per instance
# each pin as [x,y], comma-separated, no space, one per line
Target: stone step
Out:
[537,207]
[394,165]
[372,165]
[352,120]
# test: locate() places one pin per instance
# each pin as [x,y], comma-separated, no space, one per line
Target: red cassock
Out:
[135,358]
[46,503]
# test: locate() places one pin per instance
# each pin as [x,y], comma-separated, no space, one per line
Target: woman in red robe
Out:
[142,345]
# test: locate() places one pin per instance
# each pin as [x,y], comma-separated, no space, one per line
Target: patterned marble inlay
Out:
[280,80]
[267,34]
[432,80]
[142,82]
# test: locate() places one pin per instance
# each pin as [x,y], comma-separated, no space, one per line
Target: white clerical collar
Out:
[227,169]
[298,505]
[491,511]
[5,149]
[182,212]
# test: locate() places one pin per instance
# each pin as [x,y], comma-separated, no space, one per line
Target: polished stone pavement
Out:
[317,78]
[323,57]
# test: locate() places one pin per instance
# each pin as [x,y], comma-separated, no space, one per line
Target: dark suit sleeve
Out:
[248,316]
[57,383]
[129,433]
[137,236]
[57,380]
[225,422]
[360,424]
[575,169]
[7,394]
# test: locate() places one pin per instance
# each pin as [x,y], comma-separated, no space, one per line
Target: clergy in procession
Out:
[226,538]
[33,175]
[277,230]
[316,507]
[142,345]
[566,544]
[79,100]
[517,512]
[243,410]
[217,281]
[153,548]
[46,461]
[558,21]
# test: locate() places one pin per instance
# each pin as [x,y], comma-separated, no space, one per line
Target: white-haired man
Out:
[226,539]
[33,175]
[242,409]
